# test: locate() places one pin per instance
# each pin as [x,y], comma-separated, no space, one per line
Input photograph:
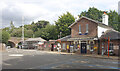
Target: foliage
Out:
[93,13]
[63,23]
[113,19]
[29,33]
[5,37]
[38,25]
[96,14]
[49,32]
[17,32]
[12,27]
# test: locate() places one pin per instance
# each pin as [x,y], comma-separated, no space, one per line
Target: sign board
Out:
[115,47]
[67,46]
[88,47]
[71,48]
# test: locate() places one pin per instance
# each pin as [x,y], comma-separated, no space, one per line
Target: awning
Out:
[40,43]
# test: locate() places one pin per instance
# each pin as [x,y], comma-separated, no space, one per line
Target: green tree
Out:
[12,27]
[7,29]
[29,33]
[40,24]
[93,13]
[113,19]
[17,32]
[49,32]
[96,14]
[119,22]
[63,23]
[5,37]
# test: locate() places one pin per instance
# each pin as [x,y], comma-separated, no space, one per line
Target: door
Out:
[83,48]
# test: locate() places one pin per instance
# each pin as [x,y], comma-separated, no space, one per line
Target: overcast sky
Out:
[34,10]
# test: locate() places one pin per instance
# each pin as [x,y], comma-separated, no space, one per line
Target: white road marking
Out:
[16,55]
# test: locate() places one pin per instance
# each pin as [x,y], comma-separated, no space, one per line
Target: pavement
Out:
[34,59]
[89,55]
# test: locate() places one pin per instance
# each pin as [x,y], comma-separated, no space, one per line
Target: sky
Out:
[49,10]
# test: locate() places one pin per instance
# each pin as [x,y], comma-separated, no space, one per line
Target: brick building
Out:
[86,36]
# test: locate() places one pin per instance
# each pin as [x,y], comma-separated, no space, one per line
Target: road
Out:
[34,59]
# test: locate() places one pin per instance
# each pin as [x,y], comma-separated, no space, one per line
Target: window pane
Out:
[86,28]
[79,28]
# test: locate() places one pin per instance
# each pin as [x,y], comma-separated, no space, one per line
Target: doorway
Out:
[83,48]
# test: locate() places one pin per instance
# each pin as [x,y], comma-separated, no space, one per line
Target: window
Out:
[64,46]
[86,28]
[110,46]
[79,29]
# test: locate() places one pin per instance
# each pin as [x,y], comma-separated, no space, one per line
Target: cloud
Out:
[34,10]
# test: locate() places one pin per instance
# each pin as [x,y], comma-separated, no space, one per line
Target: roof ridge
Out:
[88,19]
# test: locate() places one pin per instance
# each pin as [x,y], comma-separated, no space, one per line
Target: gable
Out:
[91,20]
[83,28]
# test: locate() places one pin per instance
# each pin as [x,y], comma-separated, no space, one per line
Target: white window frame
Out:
[86,28]
[79,28]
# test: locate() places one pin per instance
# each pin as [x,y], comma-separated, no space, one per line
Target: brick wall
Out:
[116,48]
[92,29]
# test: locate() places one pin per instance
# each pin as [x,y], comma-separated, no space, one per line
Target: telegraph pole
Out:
[22,31]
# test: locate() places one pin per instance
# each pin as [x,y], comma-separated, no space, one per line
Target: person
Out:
[59,49]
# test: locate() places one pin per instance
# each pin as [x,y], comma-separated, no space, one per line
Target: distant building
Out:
[34,43]
[87,36]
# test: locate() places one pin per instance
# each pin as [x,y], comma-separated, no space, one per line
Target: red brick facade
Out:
[84,40]
[92,29]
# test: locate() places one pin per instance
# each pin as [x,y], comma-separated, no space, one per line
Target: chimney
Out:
[105,18]
[76,18]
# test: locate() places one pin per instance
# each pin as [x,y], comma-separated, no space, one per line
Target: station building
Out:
[89,36]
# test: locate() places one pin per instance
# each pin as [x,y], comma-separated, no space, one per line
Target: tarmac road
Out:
[33,59]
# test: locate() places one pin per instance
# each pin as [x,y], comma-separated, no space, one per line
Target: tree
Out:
[96,14]
[119,22]
[5,37]
[17,32]
[93,13]
[38,25]
[113,19]
[49,32]
[7,29]
[12,27]
[29,33]
[63,23]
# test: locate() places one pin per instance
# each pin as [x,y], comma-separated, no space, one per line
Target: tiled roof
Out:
[65,38]
[99,23]
[112,34]
[35,39]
